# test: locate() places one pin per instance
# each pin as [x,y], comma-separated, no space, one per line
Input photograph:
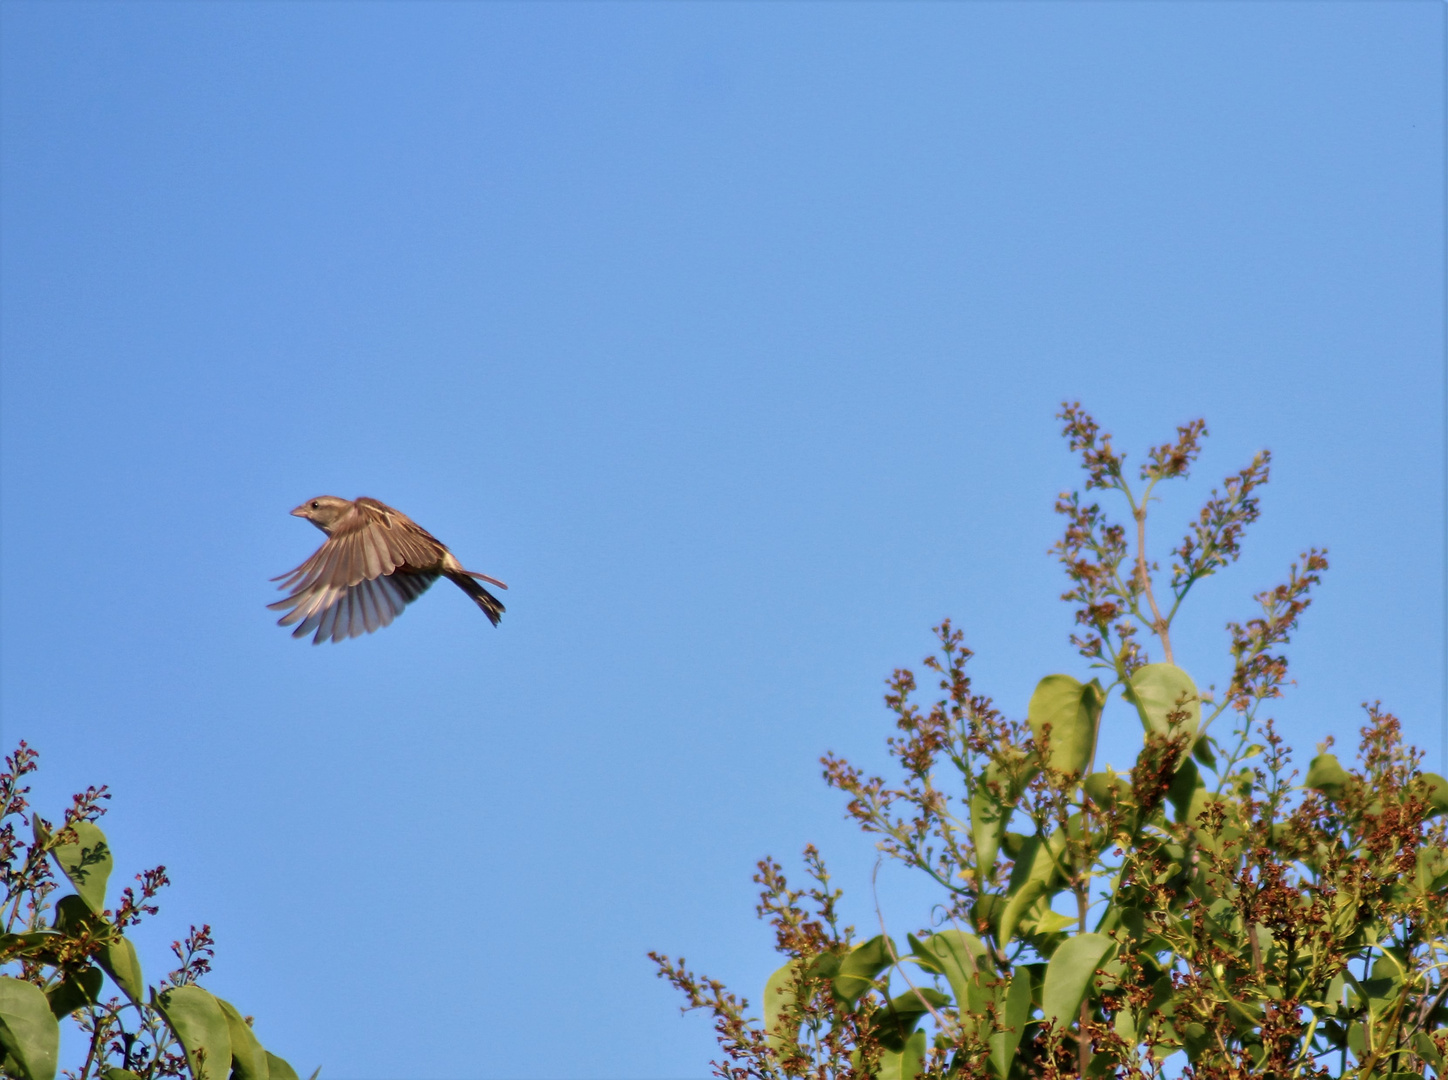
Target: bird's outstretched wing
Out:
[375,562]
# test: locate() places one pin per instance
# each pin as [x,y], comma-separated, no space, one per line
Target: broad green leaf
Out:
[1051,921]
[196,1018]
[120,1074]
[1036,873]
[1188,794]
[1437,794]
[1019,902]
[1125,1026]
[1003,1044]
[779,996]
[1160,692]
[906,1064]
[1073,710]
[277,1069]
[988,818]
[1107,789]
[986,911]
[898,1019]
[1039,860]
[1069,974]
[1431,872]
[859,968]
[87,863]
[36,944]
[961,957]
[823,966]
[1428,1050]
[913,1004]
[120,962]
[29,1032]
[72,915]
[991,804]
[1326,774]
[922,957]
[248,1059]
[80,989]
[987,821]
[1202,751]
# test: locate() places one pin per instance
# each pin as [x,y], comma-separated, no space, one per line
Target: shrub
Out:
[57,956]
[1200,914]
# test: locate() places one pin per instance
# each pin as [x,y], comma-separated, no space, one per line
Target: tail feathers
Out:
[491,605]
[484,577]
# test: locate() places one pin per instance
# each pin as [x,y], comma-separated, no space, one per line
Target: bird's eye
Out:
[315,505]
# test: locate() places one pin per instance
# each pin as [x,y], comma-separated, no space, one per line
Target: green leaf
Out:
[120,1074]
[87,863]
[1107,789]
[1160,693]
[73,915]
[987,821]
[898,1019]
[1428,1050]
[991,803]
[38,945]
[961,957]
[1188,794]
[922,957]
[1437,794]
[988,818]
[1326,774]
[199,1023]
[1051,921]
[1020,901]
[277,1069]
[1073,711]
[248,1059]
[917,1002]
[1035,874]
[986,911]
[906,1064]
[859,968]
[1125,1026]
[779,995]
[1069,974]
[29,1032]
[120,962]
[78,990]
[1003,1044]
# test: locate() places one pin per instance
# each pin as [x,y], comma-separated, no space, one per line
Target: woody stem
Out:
[1143,576]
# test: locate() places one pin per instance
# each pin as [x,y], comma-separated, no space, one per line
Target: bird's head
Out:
[324,511]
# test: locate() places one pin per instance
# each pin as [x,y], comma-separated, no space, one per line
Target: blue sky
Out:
[730,336]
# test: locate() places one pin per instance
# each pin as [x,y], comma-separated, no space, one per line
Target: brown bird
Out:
[376,561]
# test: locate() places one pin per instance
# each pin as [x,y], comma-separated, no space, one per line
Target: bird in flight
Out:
[375,561]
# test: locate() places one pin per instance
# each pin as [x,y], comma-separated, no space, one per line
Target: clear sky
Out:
[730,336]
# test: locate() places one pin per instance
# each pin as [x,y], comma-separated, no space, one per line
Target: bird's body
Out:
[375,561]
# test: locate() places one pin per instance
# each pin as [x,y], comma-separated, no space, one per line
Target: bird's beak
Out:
[300,512]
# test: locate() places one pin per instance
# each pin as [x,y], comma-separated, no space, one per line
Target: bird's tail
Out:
[491,605]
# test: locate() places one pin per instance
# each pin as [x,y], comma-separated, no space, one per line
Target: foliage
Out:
[55,958]
[1202,914]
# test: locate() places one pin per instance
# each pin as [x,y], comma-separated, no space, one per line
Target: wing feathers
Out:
[374,563]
